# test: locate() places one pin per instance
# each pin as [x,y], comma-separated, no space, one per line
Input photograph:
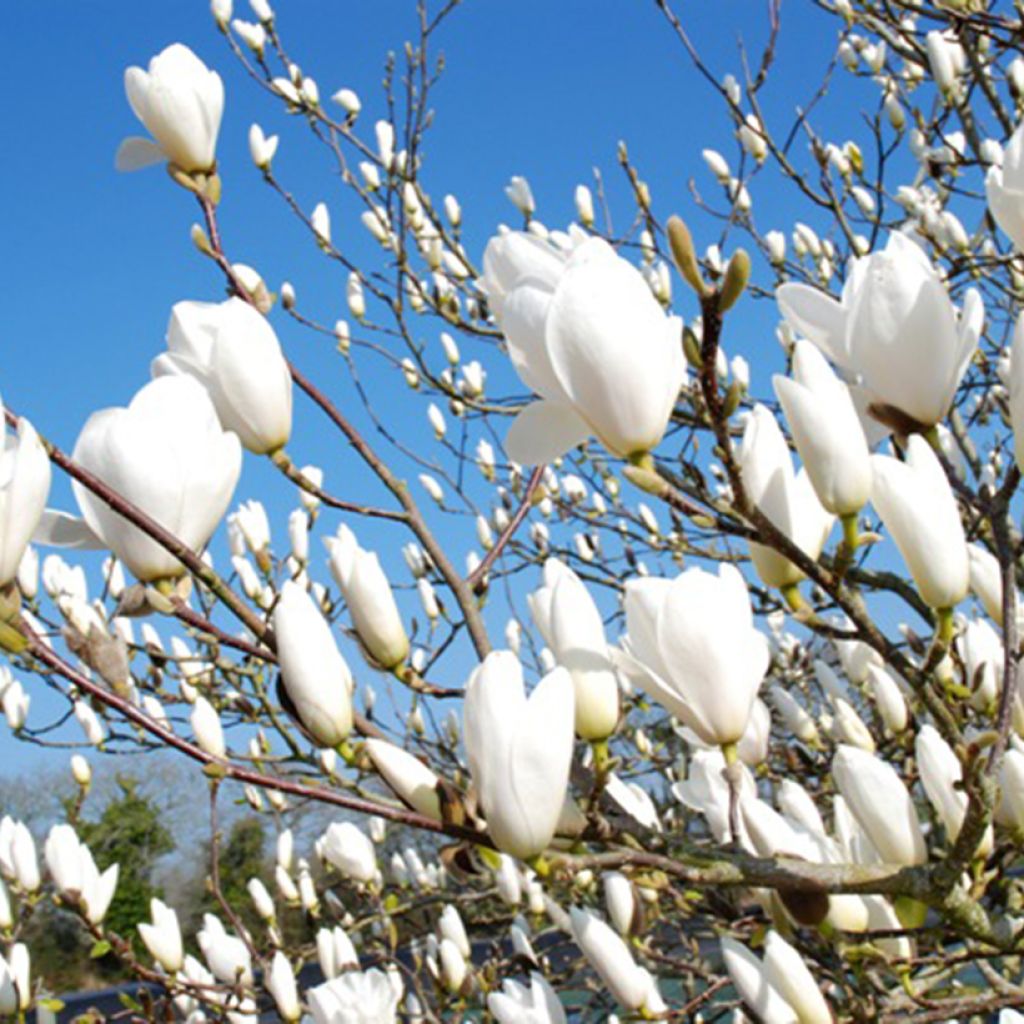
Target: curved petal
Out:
[1006,206]
[716,661]
[136,85]
[817,317]
[607,341]
[63,530]
[539,759]
[543,431]
[903,336]
[136,153]
[522,322]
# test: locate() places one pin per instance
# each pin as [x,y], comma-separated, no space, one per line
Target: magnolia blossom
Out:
[627,981]
[261,147]
[368,595]
[335,951]
[18,860]
[785,497]
[226,955]
[350,850]
[987,585]
[453,965]
[368,997]
[571,625]
[167,454]
[693,647]
[917,506]
[206,725]
[620,901]
[981,652]
[1010,809]
[281,984]
[941,776]
[797,720]
[888,698]
[24,486]
[75,873]
[585,333]
[520,195]
[15,984]
[232,350]
[1016,382]
[408,776]
[314,675]
[517,1004]
[163,936]
[827,431]
[781,989]
[946,60]
[1004,188]
[895,331]
[519,751]
[881,804]
[180,101]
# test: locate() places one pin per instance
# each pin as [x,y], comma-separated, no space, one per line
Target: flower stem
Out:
[848,548]
[730,751]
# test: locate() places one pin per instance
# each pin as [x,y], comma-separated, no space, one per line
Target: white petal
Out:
[135,153]
[543,431]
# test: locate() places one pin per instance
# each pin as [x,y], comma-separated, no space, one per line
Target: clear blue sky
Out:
[95,259]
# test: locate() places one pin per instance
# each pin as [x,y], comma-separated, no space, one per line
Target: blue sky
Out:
[96,259]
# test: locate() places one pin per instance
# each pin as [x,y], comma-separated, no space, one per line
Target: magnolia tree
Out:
[673,743]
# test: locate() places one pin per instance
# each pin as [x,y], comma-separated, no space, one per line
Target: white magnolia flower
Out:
[1010,810]
[232,350]
[24,486]
[15,983]
[281,984]
[520,195]
[167,454]
[629,983]
[571,625]
[619,901]
[585,333]
[367,997]
[335,951]
[226,955]
[261,147]
[787,498]
[693,647]
[1004,188]
[519,751]
[180,101]
[517,1004]
[163,936]
[407,775]
[75,874]
[314,675]
[350,850]
[781,989]
[369,598]
[1016,388]
[941,777]
[881,804]
[826,430]
[895,331]
[916,504]
[207,728]
[18,860]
